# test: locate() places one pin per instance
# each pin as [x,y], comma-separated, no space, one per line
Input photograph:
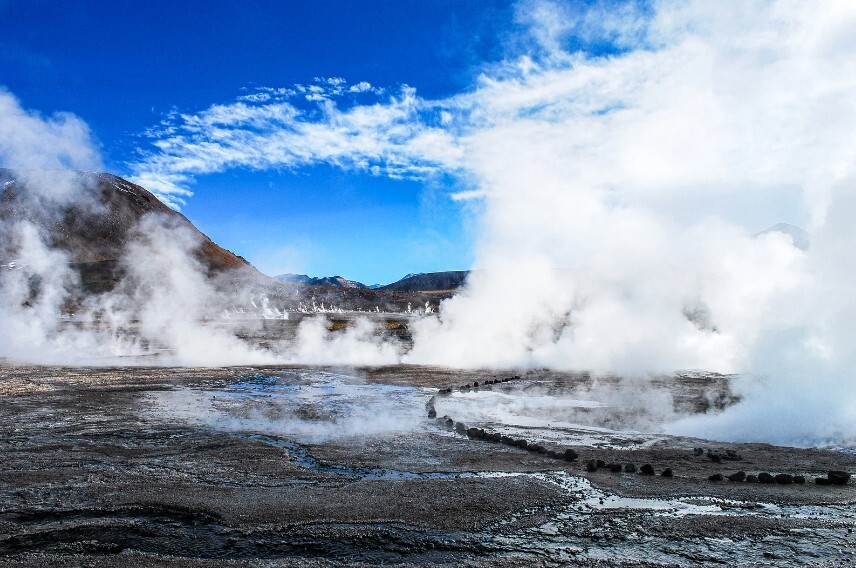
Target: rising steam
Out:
[623,199]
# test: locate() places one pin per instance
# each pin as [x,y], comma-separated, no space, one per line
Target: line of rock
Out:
[570,455]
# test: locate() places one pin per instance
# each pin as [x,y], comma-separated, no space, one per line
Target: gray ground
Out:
[95,473]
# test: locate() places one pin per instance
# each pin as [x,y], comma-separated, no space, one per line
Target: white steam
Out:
[622,197]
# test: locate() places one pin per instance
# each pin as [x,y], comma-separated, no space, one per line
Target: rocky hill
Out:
[449,280]
[95,219]
[335,281]
[92,217]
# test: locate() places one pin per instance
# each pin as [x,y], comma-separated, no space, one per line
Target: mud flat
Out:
[292,466]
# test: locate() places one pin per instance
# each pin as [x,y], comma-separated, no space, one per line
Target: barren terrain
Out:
[303,466]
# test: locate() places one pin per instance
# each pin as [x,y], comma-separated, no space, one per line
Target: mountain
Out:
[799,237]
[430,281]
[93,216]
[335,281]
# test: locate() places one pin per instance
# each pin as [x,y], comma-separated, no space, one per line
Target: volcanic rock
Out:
[784,478]
[838,477]
[739,476]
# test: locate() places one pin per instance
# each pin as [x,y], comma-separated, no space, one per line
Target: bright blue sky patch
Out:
[320,137]
[124,67]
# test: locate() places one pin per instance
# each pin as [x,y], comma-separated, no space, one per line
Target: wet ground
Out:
[320,467]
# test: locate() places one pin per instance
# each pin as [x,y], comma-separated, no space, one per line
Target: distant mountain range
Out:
[102,215]
[336,281]
[418,282]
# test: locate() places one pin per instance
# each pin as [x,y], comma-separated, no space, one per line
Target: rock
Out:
[698,451]
[506,440]
[570,455]
[615,467]
[784,478]
[630,468]
[449,423]
[476,384]
[765,477]
[432,413]
[667,472]
[739,476]
[601,463]
[522,444]
[751,478]
[716,477]
[716,458]
[475,433]
[460,428]
[647,469]
[799,479]
[554,454]
[838,477]
[591,465]
[822,481]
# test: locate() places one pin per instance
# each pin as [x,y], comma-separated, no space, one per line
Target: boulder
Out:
[668,472]
[630,468]
[591,465]
[460,428]
[751,478]
[765,477]
[601,463]
[799,479]
[570,455]
[838,477]
[715,458]
[698,451]
[716,477]
[784,478]
[615,467]
[522,444]
[739,476]
[822,481]
[647,469]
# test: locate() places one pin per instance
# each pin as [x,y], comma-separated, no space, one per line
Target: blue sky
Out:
[123,67]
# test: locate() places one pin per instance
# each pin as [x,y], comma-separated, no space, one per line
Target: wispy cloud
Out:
[351,126]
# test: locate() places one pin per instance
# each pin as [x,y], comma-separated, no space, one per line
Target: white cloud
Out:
[270,130]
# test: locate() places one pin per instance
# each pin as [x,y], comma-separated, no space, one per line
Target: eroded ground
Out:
[302,466]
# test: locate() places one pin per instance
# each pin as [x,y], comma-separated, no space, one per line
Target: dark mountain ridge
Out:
[95,223]
[417,282]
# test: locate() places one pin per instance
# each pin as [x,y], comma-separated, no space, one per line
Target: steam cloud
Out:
[622,196]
